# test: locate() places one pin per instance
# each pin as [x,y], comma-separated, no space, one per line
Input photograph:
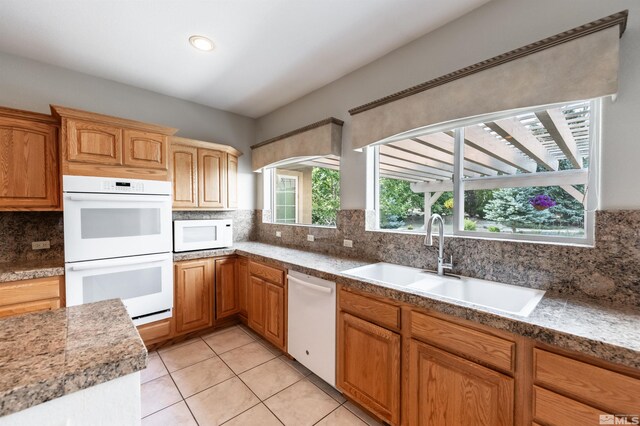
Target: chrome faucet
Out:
[428,241]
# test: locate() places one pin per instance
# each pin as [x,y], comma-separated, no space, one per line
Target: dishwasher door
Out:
[312,324]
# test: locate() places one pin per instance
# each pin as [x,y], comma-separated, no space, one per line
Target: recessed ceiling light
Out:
[201,43]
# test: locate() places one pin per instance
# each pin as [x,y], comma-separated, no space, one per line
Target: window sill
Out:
[301,225]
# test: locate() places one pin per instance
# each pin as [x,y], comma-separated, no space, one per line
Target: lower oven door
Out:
[144,283]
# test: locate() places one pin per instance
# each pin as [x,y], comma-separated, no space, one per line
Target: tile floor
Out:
[234,377]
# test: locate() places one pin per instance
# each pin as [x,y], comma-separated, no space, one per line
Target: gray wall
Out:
[492,29]
[31,85]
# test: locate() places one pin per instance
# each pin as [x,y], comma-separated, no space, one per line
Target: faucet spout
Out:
[428,241]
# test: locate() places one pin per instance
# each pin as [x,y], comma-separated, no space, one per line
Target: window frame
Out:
[297,194]
[592,187]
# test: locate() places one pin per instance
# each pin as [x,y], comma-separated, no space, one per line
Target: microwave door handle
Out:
[105,264]
[122,198]
[310,286]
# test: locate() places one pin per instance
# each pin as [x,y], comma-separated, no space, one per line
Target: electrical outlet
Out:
[347,243]
[40,245]
[310,238]
[278,234]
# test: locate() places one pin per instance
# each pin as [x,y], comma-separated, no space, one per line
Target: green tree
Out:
[397,202]
[511,206]
[325,196]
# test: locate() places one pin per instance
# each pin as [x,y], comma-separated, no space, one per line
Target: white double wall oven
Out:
[118,244]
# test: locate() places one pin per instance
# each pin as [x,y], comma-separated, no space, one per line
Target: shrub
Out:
[493,229]
[469,225]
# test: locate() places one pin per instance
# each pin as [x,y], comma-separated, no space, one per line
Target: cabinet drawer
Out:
[268,273]
[586,382]
[155,330]
[29,290]
[27,307]
[373,310]
[555,410]
[483,347]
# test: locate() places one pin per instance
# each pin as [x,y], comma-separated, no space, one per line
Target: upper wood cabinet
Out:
[29,177]
[227,302]
[204,175]
[194,286]
[100,145]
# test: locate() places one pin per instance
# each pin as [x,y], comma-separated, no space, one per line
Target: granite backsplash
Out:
[610,270]
[19,229]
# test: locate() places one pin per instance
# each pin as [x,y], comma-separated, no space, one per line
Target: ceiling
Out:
[268,52]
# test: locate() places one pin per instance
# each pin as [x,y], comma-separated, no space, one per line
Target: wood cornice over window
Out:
[577,64]
[319,139]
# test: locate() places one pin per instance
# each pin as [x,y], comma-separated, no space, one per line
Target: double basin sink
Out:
[502,297]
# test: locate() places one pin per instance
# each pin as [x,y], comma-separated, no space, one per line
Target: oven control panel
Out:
[116,186]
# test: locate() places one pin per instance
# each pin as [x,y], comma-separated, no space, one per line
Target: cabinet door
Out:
[256,304]
[28,165]
[212,184]
[232,181]
[144,149]
[274,314]
[194,295]
[184,176]
[93,143]
[449,390]
[243,284]
[369,366]
[227,302]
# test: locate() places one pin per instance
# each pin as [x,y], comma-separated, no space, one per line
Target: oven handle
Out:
[309,285]
[114,263]
[118,198]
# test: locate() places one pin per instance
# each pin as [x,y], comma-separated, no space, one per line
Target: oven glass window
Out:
[115,223]
[122,285]
[196,234]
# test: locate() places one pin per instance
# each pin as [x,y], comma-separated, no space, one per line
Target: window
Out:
[528,175]
[305,192]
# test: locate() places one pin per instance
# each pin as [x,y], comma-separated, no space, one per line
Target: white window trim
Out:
[593,185]
[295,178]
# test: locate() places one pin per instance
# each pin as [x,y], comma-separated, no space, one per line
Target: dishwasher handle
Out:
[309,285]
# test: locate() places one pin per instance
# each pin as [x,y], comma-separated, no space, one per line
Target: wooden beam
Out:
[579,196]
[553,120]
[485,142]
[408,172]
[521,137]
[399,158]
[432,186]
[444,143]
[428,202]
[434,197]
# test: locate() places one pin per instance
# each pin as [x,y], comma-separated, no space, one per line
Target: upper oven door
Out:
[101,226]
[202,234]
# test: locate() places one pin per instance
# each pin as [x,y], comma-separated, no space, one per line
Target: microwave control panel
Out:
[116,186]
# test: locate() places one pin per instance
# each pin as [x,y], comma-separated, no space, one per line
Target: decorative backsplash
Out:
[609,271]
[19,229]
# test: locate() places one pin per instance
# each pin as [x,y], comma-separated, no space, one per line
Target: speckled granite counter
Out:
[607,332]
[46,355]
[17,271]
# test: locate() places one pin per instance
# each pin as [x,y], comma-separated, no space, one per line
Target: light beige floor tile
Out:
[186,355]
[155,368]
[202,375]
[257,416]
[270,378]
[158,394]
[369,420]
[228,340]
[250,332]
[219,331]
[245,357]
[178,345]
[176,415]
[295,364]
[301,404]
[221,402]
[274,350]
[341,417]
[327,388]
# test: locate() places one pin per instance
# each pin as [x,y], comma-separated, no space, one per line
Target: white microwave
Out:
[191,235]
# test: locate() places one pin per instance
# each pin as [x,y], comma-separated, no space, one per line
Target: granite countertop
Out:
[29,269]
[611,333]
[46,355]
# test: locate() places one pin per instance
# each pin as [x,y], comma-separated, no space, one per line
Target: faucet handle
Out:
[448,265]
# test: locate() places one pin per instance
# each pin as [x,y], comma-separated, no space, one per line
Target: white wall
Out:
[492,29]
[31,85]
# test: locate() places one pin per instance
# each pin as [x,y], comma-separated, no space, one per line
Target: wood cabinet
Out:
[29,177]
[369,366]
[21,297]
[448,390]
[100,145]
[243,284]
[227,298]
[194,287]
[267,303]
[204,175]
[157,331]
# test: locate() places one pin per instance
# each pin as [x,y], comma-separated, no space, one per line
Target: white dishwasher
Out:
[312,324]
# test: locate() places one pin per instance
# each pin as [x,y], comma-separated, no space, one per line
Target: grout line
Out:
[180,392]
[328,414]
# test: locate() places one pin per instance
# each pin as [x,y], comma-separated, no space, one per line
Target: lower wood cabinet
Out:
[194,288]
[227,300]
[267,303]
[445,389]
[157,331]
[369,366]
[256,307]
[40,294]
[243,285]
[274,314]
